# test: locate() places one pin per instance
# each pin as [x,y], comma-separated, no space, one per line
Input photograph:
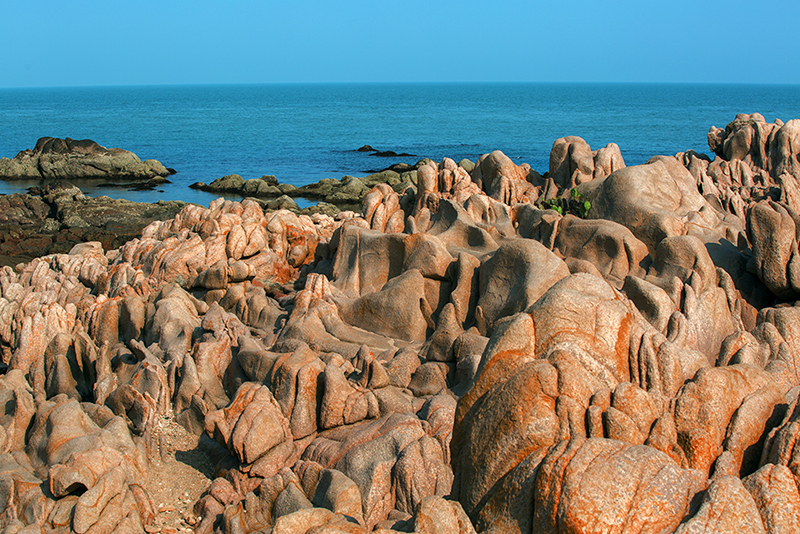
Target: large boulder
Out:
[253,428]
[578,481]
[514,278]
[772,229]
[772,147]
[610,247]
[755,161]
[656,200]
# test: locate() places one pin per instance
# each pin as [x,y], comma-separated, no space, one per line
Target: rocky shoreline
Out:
[54,218]
[455,358]
[346,193]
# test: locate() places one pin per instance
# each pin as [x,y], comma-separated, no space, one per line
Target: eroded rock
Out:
[632,371]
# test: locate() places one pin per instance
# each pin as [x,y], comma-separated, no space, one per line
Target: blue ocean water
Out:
[304,132]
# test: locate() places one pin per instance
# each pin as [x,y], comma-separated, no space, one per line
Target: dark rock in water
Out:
[382,153]
[346,193]
[283,202]
[350,190]
[323,208]
[228,183]
[68,159]
[266,186]
[150,184]
[391,154]
[401,168]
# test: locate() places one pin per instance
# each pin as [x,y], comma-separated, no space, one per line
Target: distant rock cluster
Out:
[346,192]
[454,359]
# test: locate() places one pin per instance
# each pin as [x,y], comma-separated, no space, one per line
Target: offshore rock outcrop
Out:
[69,159]
[455,359]
[346,192]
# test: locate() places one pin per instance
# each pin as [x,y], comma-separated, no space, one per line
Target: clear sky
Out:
[48,43]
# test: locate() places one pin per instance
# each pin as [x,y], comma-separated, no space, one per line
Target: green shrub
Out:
[574,204]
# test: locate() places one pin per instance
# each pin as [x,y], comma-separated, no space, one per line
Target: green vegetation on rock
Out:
[575,204]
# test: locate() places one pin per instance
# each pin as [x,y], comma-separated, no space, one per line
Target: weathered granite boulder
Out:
[266,186]
[68,159]
[657,200]
[754,161]
[758,144]
[572,162]
[772,231]
[503,180]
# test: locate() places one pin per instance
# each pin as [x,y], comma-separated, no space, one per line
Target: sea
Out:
[302,133]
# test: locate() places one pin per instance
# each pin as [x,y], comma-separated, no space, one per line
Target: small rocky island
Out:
[468,355]
[69,159]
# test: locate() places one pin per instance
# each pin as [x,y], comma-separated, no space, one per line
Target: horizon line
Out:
[341,83]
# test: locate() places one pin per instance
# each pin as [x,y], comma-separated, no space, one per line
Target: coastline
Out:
[478,342]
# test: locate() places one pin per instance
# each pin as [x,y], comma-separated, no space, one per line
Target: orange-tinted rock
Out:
[251,425]
[774,490]
[704,408]
[726,507]
[655,200]
[584,311]
[597,483]
[359,368]
[771,230]
[515,277]
[610,247]
[436,515]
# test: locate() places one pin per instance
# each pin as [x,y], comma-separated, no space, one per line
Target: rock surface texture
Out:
[69,159]
[452,360]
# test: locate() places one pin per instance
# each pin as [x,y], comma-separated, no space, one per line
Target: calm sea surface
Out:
[302,133]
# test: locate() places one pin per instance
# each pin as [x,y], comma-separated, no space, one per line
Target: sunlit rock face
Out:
[454,359]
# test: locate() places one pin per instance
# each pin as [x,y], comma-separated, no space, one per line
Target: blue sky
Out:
[48,43]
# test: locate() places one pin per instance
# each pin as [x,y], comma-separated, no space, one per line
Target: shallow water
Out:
[302,133]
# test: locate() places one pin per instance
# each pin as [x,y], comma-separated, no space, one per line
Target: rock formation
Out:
[454,359]
[68,159]
[346,193]
[572,161]
[54,218]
